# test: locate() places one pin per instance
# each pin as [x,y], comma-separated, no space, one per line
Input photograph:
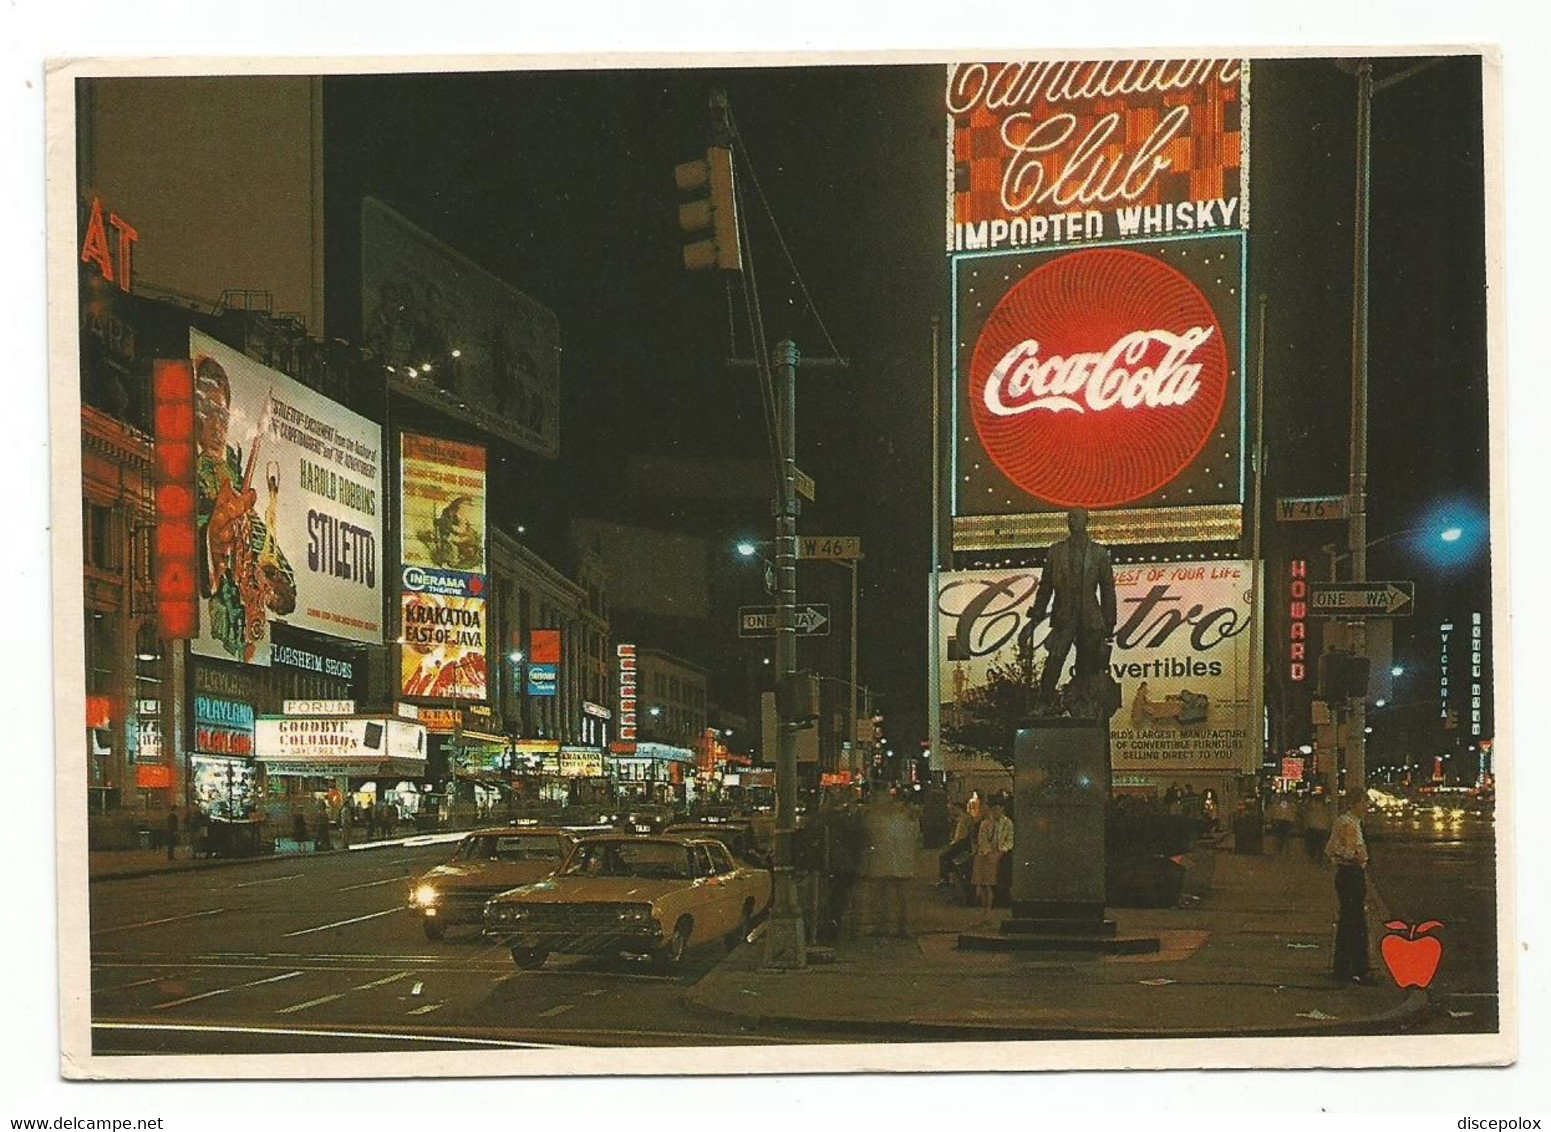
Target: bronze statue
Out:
[1077,587]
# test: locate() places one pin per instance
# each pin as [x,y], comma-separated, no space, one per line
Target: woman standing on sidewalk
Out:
[1348,849]
[993,840]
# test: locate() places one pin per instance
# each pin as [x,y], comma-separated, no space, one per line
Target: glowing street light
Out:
[747,549]
[1398,670]
[1452,534]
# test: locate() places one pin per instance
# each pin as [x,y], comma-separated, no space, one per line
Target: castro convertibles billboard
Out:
[1059,151]
[1181,656]
[1109,378]
[288,493]
[444,572]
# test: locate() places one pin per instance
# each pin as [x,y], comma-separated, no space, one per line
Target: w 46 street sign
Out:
[841,547]
[1306,508]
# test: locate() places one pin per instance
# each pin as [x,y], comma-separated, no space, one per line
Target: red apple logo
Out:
[1412,957]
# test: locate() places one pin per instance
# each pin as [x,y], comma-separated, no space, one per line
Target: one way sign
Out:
[760,620]
[1362,599]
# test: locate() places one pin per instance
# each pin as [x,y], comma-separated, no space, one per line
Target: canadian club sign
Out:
[1100,378]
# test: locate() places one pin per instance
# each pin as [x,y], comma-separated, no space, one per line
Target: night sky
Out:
[561,184]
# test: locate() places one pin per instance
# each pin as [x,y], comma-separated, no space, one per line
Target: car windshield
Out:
[659,860]
[513,847]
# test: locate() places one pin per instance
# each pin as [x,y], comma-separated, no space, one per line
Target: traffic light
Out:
[711,215]
[1342,675]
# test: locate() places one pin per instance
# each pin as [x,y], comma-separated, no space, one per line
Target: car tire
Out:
[434,929]
[670,955]
[528,958]
[745,925]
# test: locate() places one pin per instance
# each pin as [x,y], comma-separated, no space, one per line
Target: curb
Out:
[1401,1017]
[267,859]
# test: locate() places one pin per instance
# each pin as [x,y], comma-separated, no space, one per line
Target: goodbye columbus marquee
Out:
[1059,151]
[1182,657]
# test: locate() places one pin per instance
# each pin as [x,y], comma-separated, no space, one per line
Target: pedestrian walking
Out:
[299,828]
[993,841]
[321,824]
[893,837]
[346,820]
[172,831]
[1316,826]
[371,820]
[1284,817]
[198,836]
[1348,850]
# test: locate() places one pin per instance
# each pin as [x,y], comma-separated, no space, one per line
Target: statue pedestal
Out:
[1060,791]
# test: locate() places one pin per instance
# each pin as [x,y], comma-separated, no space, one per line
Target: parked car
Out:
[735,833]
[656,896]
[486,862]
[646,818]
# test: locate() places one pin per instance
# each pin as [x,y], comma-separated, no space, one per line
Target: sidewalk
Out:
[129,864]
[1247,960]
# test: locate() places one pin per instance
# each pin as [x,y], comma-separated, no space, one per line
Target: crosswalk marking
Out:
[342,923]
[373,884]
[309,1003]
[163,920]
[225,990]
[382,982]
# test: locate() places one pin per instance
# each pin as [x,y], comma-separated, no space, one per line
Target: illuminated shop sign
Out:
[1297,620]
[1057,151]
[308,661]
[1445,630]
[543,680]
[113,256]
[174,549]
[627,690]
[1475,674]
[1106,378]
[339,737]
[222,726]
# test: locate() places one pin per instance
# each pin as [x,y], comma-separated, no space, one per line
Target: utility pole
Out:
[851,718]
[1357,533]
[785,939]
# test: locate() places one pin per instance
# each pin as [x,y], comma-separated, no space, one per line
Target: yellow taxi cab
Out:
[486,862]
[656,896]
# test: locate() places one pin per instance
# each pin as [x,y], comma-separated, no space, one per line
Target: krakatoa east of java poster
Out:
[565,556]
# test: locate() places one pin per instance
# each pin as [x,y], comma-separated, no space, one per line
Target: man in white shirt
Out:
[1348,851]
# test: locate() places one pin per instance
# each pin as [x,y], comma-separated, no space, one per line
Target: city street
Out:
[1429,864]
[320,954]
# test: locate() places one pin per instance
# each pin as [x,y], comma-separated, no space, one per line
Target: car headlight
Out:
[635,915]
[425,895]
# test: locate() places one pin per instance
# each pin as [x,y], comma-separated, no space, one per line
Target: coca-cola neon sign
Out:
[1098,378]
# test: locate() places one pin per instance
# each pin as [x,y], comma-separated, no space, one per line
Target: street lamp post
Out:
[786,943]
[1357,533]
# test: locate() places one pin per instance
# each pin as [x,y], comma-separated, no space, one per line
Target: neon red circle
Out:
[1086,303]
